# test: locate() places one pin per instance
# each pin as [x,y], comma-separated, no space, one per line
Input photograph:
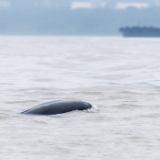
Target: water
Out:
[121,76]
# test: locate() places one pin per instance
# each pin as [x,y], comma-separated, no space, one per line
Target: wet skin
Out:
[58,107]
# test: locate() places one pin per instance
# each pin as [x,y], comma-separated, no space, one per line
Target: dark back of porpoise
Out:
[58,107]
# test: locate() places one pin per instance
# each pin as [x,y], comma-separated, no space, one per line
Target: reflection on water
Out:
[120,76]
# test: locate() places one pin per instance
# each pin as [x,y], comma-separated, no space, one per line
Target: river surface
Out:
[120,76]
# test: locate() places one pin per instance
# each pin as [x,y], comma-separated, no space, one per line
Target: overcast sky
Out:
[82,3]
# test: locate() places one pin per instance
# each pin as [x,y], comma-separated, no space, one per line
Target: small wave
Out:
[41,122]
[126,106]
[128,92]
[3,116]
[17,102]
[94,109]
[88,93]
[155,115]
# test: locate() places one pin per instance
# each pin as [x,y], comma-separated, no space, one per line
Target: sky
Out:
[74,4]
[78,17]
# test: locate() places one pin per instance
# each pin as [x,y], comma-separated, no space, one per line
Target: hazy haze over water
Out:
[121,76]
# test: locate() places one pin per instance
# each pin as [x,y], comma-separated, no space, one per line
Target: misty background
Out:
[75,17]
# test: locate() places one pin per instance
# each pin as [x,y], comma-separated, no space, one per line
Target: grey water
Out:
[120,76]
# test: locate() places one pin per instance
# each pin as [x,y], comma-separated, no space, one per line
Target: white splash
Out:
[94,109]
